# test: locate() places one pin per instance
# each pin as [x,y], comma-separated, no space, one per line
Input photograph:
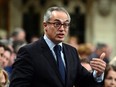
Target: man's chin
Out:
[60,39]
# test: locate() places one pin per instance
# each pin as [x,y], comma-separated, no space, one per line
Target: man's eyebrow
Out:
[57,20]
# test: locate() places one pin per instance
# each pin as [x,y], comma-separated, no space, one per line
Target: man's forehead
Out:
[61,20]
[59,16]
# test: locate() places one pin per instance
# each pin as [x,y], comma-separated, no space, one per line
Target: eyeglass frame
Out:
[55,24]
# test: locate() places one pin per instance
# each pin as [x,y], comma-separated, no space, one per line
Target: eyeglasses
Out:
[59,24]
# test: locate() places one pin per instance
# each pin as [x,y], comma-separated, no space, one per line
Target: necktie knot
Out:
[57,48]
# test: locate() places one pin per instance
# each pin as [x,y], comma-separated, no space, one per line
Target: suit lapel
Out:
[49,56]
[68,63]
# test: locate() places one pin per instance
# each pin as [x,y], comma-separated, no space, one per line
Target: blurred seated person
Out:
[100,48]
[73,41]
[110,76]
[84,50]
[5,55]
[34,38]
[6,61]
[4,81]
[1,54]
[18,36]
[17,45]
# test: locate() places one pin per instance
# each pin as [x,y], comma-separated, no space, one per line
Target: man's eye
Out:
[57,24]
[66,24]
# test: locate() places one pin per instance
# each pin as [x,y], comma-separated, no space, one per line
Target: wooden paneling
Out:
[3,3]
[4,14]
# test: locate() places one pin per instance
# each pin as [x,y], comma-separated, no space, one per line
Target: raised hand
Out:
[98,64]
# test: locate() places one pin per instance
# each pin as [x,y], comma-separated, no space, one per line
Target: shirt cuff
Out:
[98,78]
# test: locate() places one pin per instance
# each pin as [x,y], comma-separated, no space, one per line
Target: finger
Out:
[100,65]
[102,56]
[98,69]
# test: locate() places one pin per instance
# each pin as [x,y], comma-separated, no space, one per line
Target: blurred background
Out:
[93,21]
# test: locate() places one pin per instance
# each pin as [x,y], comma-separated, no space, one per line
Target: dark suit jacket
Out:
[35,66]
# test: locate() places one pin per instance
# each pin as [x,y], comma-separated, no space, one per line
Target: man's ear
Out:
[45,26]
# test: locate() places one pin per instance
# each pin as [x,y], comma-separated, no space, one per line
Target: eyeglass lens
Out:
[58,24]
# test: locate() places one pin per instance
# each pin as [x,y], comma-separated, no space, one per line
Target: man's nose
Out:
[62,28]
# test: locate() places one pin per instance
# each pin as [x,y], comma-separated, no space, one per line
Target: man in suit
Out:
[38,65]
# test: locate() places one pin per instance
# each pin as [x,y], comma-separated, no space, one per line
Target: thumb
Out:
[102,56]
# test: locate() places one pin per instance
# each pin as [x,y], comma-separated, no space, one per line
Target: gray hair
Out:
[48,13]
[16,31]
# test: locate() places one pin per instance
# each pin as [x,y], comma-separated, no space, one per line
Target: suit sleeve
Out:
[23,72]
[84,78]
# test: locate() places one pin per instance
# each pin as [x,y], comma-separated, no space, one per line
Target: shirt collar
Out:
[50,43]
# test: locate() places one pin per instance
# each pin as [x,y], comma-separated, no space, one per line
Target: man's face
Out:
[57,27]
[21,36]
